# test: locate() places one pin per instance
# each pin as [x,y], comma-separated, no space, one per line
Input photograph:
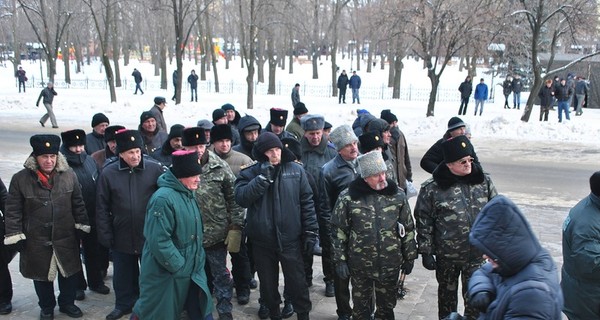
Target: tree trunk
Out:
[66,62]
[260,60]
[398,66]
[315,67]
[162,63]
[272,64]
[435,81]
[109,77]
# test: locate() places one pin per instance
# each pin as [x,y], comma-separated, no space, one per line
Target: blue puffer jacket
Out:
[525,283]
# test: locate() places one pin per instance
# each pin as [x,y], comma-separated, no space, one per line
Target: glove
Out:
[37,105]
[407,266]
[19,246]
[342,270]
[267,170]
[428,261]
[310,238]
[81,234]
[233,240]
[480,301]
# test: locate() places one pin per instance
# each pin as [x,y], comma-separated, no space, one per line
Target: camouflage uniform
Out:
[219,213]
[444,213]
[365,235]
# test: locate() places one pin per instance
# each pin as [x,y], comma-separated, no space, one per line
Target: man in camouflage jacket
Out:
[446,208]
[373,238]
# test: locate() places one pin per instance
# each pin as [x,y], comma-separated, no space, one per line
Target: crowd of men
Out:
[169,206]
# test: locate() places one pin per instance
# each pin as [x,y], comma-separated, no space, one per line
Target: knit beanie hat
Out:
[266,141]
[378,126]
[455,123]
[595,183]
[327,125]
[99,118]
[300,108]
[185,163]
[371,163]
[128,139]
[220,132]
[45,144]
[342,136]
[369,141]
[176,131]
[312,122]
[193,137]
[218,114]
[73,138]
[228,106]
[456,148]
[388,116]
[278,116]
[109,133]
[145,116]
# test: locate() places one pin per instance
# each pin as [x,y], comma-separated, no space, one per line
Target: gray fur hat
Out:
[371,163]
[312,122]
[342,136]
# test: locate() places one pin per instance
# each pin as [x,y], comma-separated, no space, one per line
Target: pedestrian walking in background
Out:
[296,95]
[481,94]
[355,83]
[193,81]
[506,90]
[47,96]
[581,91]
[137,78]
[465,88]
[21,77]
[175,75]
[342,84]
[517,87]
[581,257]
[546,96]
[563,94]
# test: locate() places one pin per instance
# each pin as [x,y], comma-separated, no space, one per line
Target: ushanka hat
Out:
[99,118]
[220,132]
[456,148]
[278,116]
[342,136]
[110,132]
[73,138]
[312,122]
[371,163]
[128,139]
[294,146]
[185,163]
[44,144]
[193,137]
[369,141]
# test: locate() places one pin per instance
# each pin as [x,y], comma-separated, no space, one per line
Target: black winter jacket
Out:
[465,89]
[94,142]
[546,96]
[87,173]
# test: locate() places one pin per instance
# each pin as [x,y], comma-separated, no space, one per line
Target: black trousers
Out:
[463,106]
[45,292]
[125,279]
[292,265]
[95,257]
[6,290]
[342,97]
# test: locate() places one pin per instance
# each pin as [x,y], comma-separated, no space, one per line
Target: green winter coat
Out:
[173,256]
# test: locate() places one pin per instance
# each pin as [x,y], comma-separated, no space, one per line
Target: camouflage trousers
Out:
[384,287]
[447,274]
[216,270]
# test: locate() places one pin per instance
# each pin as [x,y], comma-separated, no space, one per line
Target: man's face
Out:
[46,162]
[458,132]
[190,182]
[207,134]
[461,167]
[162,105]
[222,146]
[132,157]
[112,145]
[176,143]
[100,128]
[199,148]
[327,132]
[349,152]
[314,137]
[251,135]
[149,125]
[220,121]
[377,181]
[274,155]
[386,136]
[276,129]
[77,149]
[230,114]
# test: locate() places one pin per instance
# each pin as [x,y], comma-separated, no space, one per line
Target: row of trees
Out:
[271,31]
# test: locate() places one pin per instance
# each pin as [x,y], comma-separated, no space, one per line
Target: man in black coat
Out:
[7,253]
[193,81]
[137,77]
[280,221]
[94,140]
[465,88]
[342,84]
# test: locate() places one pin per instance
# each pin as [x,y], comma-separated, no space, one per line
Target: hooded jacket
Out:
[525,282]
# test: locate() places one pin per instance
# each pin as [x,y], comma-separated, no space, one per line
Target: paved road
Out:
[545,179]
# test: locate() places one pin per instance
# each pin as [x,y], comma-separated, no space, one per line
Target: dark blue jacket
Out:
[481,91]
[525,283]
[355,82]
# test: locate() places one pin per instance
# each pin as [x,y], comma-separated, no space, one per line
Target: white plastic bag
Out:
[411,191]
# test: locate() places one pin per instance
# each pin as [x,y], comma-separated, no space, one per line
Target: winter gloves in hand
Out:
[481,301]
[267,170]
[233,240]
[428,261]
[310,239]
[342,270]
[407,267]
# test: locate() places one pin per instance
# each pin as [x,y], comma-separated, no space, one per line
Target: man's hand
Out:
[428,261]
[267,170]
[342,270]
[19,246]
[407,266]
[233,240]
[481,301]
[310,239]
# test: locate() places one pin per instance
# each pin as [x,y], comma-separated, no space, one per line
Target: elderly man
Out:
[95,255]
[294,127]
[44,210]
[157,111]
[373,238]
[124,188]
[315,150]
[172,274]
[249,129]
[233,117]
[94,140]
[151,133]
[173,143]
[220,139]
[110,151]
[280,222]
[336,174]
[446,208]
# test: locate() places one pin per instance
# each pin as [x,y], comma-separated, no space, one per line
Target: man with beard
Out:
[446,208]
[110,151]
[95,255]
[152,135]
[373,238]
[94,140]
[44,213]
[277,123]
[173,143]
[280,222]
[124,188]
[249,129]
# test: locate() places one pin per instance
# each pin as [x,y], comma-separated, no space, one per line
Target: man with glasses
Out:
[446,208]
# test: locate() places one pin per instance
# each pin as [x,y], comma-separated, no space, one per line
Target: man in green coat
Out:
[172,276]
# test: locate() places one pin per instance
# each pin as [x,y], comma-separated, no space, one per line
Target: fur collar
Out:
[445,179]
[61,163]
[359,188]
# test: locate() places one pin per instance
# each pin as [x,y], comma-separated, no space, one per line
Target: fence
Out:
[407,93]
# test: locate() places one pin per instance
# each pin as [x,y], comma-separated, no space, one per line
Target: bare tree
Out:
[248,35]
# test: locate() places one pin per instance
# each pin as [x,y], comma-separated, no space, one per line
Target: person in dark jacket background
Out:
[249,129]
[175,79]
[581,91]
[94,140]
[342,84]
[434,156]
[172,144]
[520,278]
[546,96]
[354,84]
[280,221]
[193,81]
[47,96]
[481,94]
[563,94]
[507,90]
[124,188]
[137,78]
[22,78]
[581,256]
[465,89]
[517,87]
[7,253]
